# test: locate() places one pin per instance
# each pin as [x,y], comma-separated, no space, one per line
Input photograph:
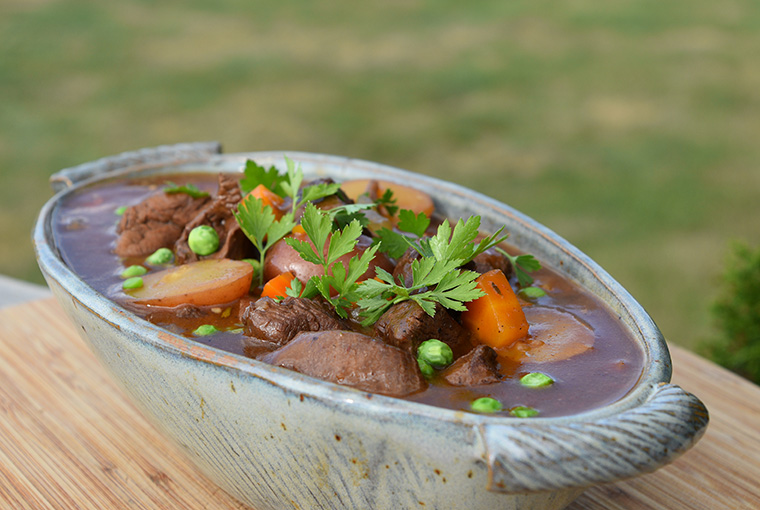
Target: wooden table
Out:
[70,439]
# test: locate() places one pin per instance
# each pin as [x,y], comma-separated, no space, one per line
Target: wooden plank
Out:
[70,439]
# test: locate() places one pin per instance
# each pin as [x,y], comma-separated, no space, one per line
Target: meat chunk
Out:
[403,270]
[352,359]
[406,325]
[489,260]
[156,222]
[477,367]
[279,322]
[256,348]
[219,214]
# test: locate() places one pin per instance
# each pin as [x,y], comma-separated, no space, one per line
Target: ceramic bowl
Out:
[276,439]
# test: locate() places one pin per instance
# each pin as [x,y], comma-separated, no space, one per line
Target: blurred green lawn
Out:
[632,128]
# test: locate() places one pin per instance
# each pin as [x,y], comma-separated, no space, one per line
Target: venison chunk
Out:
[156,222]
[279,322]
[352,359]
[477,367]
[406,325]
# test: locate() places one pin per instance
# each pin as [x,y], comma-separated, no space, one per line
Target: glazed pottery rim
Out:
[655,370]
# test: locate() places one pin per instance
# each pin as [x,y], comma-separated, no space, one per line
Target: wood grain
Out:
[69,438]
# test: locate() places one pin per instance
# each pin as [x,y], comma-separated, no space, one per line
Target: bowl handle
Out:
[182,151]
[526,457]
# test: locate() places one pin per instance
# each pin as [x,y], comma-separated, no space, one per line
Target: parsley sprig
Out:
[188,189]
[286,185]
[388,202]
[444,245]
[445,283]
[437,276]
[257,220]
[338,285]
[523,264]
[261,226]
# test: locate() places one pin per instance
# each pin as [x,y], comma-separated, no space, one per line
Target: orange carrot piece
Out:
[268,198]
[496,319]
[277,287]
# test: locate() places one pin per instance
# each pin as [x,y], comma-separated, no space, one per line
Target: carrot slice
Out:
[277,287]
[202,283]
[406,197]
[269,198]
[496,319]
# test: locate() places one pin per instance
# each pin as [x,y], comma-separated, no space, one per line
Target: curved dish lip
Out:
[657,359]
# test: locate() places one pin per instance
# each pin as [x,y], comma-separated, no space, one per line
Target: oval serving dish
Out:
[277,439]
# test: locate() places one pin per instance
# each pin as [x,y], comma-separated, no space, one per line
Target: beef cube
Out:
[352,359]
[256,348]
[489,260]
[477,367]
[403,270]
[279,322]
[156,222]
[406,325]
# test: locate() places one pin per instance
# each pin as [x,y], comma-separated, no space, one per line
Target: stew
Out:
[397,302]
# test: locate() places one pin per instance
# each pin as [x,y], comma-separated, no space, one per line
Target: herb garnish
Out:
[258,223]
[187,189]
[523,264]
[445,245]
[388,202]
[338,285]
[287,185]
[437,275]
[255,174]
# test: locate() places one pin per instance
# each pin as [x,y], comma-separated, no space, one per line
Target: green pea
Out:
[133,271]
[135,282]
[425,368]
[160,257]
[532,292]
[523,412]
[203,240]
[205,330]
[436,353]
[536,380]
[486,405]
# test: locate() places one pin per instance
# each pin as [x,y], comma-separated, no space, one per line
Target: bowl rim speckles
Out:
[644,430]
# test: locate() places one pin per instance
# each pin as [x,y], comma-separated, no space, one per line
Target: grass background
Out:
[631,128]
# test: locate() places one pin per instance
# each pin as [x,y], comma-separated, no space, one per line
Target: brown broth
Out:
[85,231]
